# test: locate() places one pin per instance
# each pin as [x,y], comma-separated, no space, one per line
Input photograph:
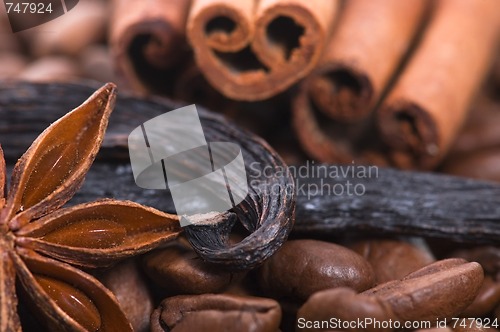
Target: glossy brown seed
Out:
[130,286]
[72,301]
[302,267]
[216,312]
[392,259]
[344,304]
[487,256]
[487,299]
[440,290]
[179,270]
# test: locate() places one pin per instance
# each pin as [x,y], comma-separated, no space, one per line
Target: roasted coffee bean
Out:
[216,312]
[440,290]
[302,267]
[343,304]
[179,270]
[487,256]
[487,299]
[392,259]
[130,287]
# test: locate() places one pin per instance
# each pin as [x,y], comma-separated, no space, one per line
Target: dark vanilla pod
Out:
[266,214]
[397,203]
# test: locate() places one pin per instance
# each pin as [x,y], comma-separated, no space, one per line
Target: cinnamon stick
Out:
[330,140]
[428,104]
[362,55]
[252,50]
[148,44]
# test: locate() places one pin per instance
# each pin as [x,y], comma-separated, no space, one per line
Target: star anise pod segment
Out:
[43,245]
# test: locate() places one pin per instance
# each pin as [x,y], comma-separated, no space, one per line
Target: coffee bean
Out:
[343,304]
[216,312]
[130,287]
[440,290]
[302,267]
[487,256]
[180,270]
[487,299]
[392,259]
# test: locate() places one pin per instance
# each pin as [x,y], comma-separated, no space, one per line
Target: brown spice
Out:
[424,111]
[363,54]
[252,50]
[39,241]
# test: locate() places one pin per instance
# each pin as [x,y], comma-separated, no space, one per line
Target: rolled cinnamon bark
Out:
[148,42]
[421,116]
[252,50]
[362,55]
[328,140]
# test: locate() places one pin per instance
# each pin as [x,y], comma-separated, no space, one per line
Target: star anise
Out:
[44,245]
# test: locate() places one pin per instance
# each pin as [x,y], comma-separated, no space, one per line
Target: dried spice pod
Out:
[366,199]
[267,213]
[44,179]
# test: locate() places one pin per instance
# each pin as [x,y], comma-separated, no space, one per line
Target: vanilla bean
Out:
[402,203]
[395,202]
